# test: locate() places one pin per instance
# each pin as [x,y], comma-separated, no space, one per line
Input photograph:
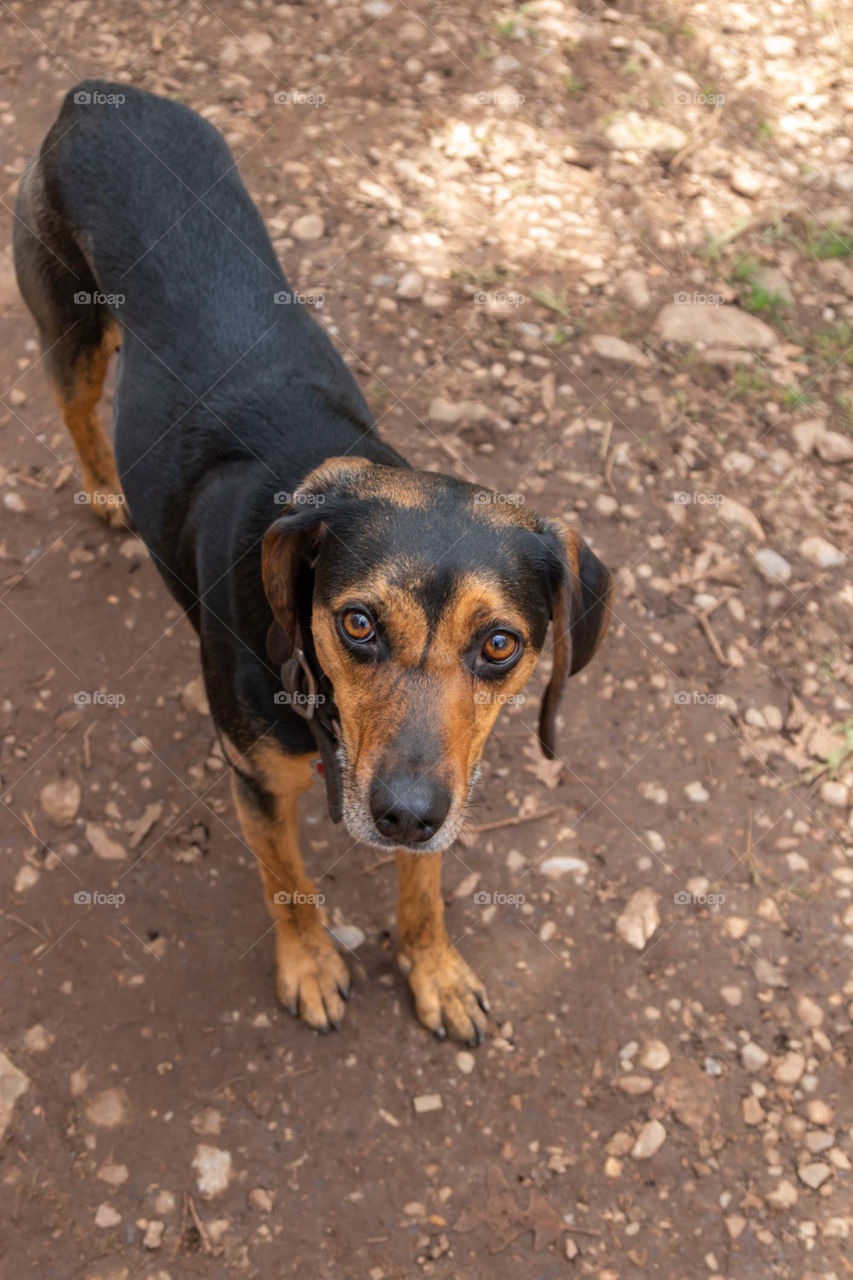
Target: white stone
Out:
[746,182]
[724,326]
[640,918]
[696,792]
[650,1139]
[411,285]
[310,226]
[821,552]
[60,800]
[212,1167]
[559,865]
[634,132]
[772,566]
[616,349]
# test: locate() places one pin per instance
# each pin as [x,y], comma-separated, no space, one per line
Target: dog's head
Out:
[429,605]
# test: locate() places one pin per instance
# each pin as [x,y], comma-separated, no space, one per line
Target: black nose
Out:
[407,808]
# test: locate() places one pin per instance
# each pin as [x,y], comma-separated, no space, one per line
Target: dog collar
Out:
[312,697]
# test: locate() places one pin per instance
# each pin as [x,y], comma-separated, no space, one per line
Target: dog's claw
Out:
[440,1033]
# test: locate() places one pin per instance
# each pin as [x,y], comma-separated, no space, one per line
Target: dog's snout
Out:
[408,808]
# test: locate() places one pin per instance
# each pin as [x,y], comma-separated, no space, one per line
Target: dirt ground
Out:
[601,259]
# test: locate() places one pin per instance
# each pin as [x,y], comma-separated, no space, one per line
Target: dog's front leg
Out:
[313,981]
[449,997]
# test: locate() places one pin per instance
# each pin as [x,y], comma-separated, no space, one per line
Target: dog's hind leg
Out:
[78,335]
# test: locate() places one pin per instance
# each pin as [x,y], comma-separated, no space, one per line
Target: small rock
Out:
[736,513]
[632,285]
[194,698]
[310,226]
[26,878]
[650,1139]
[814,1175]
[635,1085]
[60,800]
[821,553]
[425,1102]
[785,1195]
[107,1216]
[441,410]
[107,1109]
[411,285]
[113,1174]
[466,1062]
[835,794]
[735,1225]
[723,326]
[819,1112]
[772,566]
[348,935]
[616,349]
[809,1012]
[746,182]
[634,132]
[752,1110]
[37,1039]
[13,501]
[640,918]
[105,847]
[655,1055]
[555,867]
[753,1056]
[153,1237]
[780,46]
[696,792]
[260,1199]
[13,1082]
[790,1069]
[212,1166]
[733,996]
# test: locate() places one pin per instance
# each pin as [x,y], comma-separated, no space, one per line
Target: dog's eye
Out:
[500,647]
[357,625]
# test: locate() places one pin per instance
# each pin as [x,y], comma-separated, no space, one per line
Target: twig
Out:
[199,1225]
[702,621]
[515,821]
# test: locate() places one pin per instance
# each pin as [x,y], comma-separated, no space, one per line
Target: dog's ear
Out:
[580,613]
[292,542]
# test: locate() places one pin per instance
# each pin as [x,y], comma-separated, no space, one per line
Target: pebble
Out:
[814,1175]
[635,1084]
[212,1167]
[772,565]
[348,935]
[38,1039]
[310,226]
[819,1112]
[13,1082]
[655,1055]
[153,1237]
[107,1109]
[752,1110]
[790,1069]
[784,1196]
[411,285]
[606,504]
[113,1174]
[424,1102]
[632,285]
[835,794]
[821,552]
[634,132]
[640,918]
[103,845]
[723,326]
[746,182]
[194,698]
[260,1199]
[650,1139]
[733,996]
[60,801]
[13,501]
[753,1056]
[107,1216]
[696,792]
[466,1062]
[616,349]
[562,864]
[655,841]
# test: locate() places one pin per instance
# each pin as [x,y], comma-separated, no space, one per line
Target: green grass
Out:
[829,242]
[835,343]
[546,298]
[573,86]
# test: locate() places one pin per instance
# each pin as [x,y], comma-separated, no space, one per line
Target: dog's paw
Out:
[107,501]
[449,997]
[313,981]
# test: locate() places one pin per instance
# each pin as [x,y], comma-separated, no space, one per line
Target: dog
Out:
[347,606]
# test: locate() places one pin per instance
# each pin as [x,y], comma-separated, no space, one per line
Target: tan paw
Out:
[313,981]
[449,997]
[107,502]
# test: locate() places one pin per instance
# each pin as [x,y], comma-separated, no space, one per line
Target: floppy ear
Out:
[580,614]
[291,544]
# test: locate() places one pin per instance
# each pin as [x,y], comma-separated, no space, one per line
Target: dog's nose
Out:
[408,809]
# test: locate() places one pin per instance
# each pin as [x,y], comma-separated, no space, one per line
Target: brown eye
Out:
[357,625]
[500,647]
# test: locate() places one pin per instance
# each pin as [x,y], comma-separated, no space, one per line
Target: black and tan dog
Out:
[380,617]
